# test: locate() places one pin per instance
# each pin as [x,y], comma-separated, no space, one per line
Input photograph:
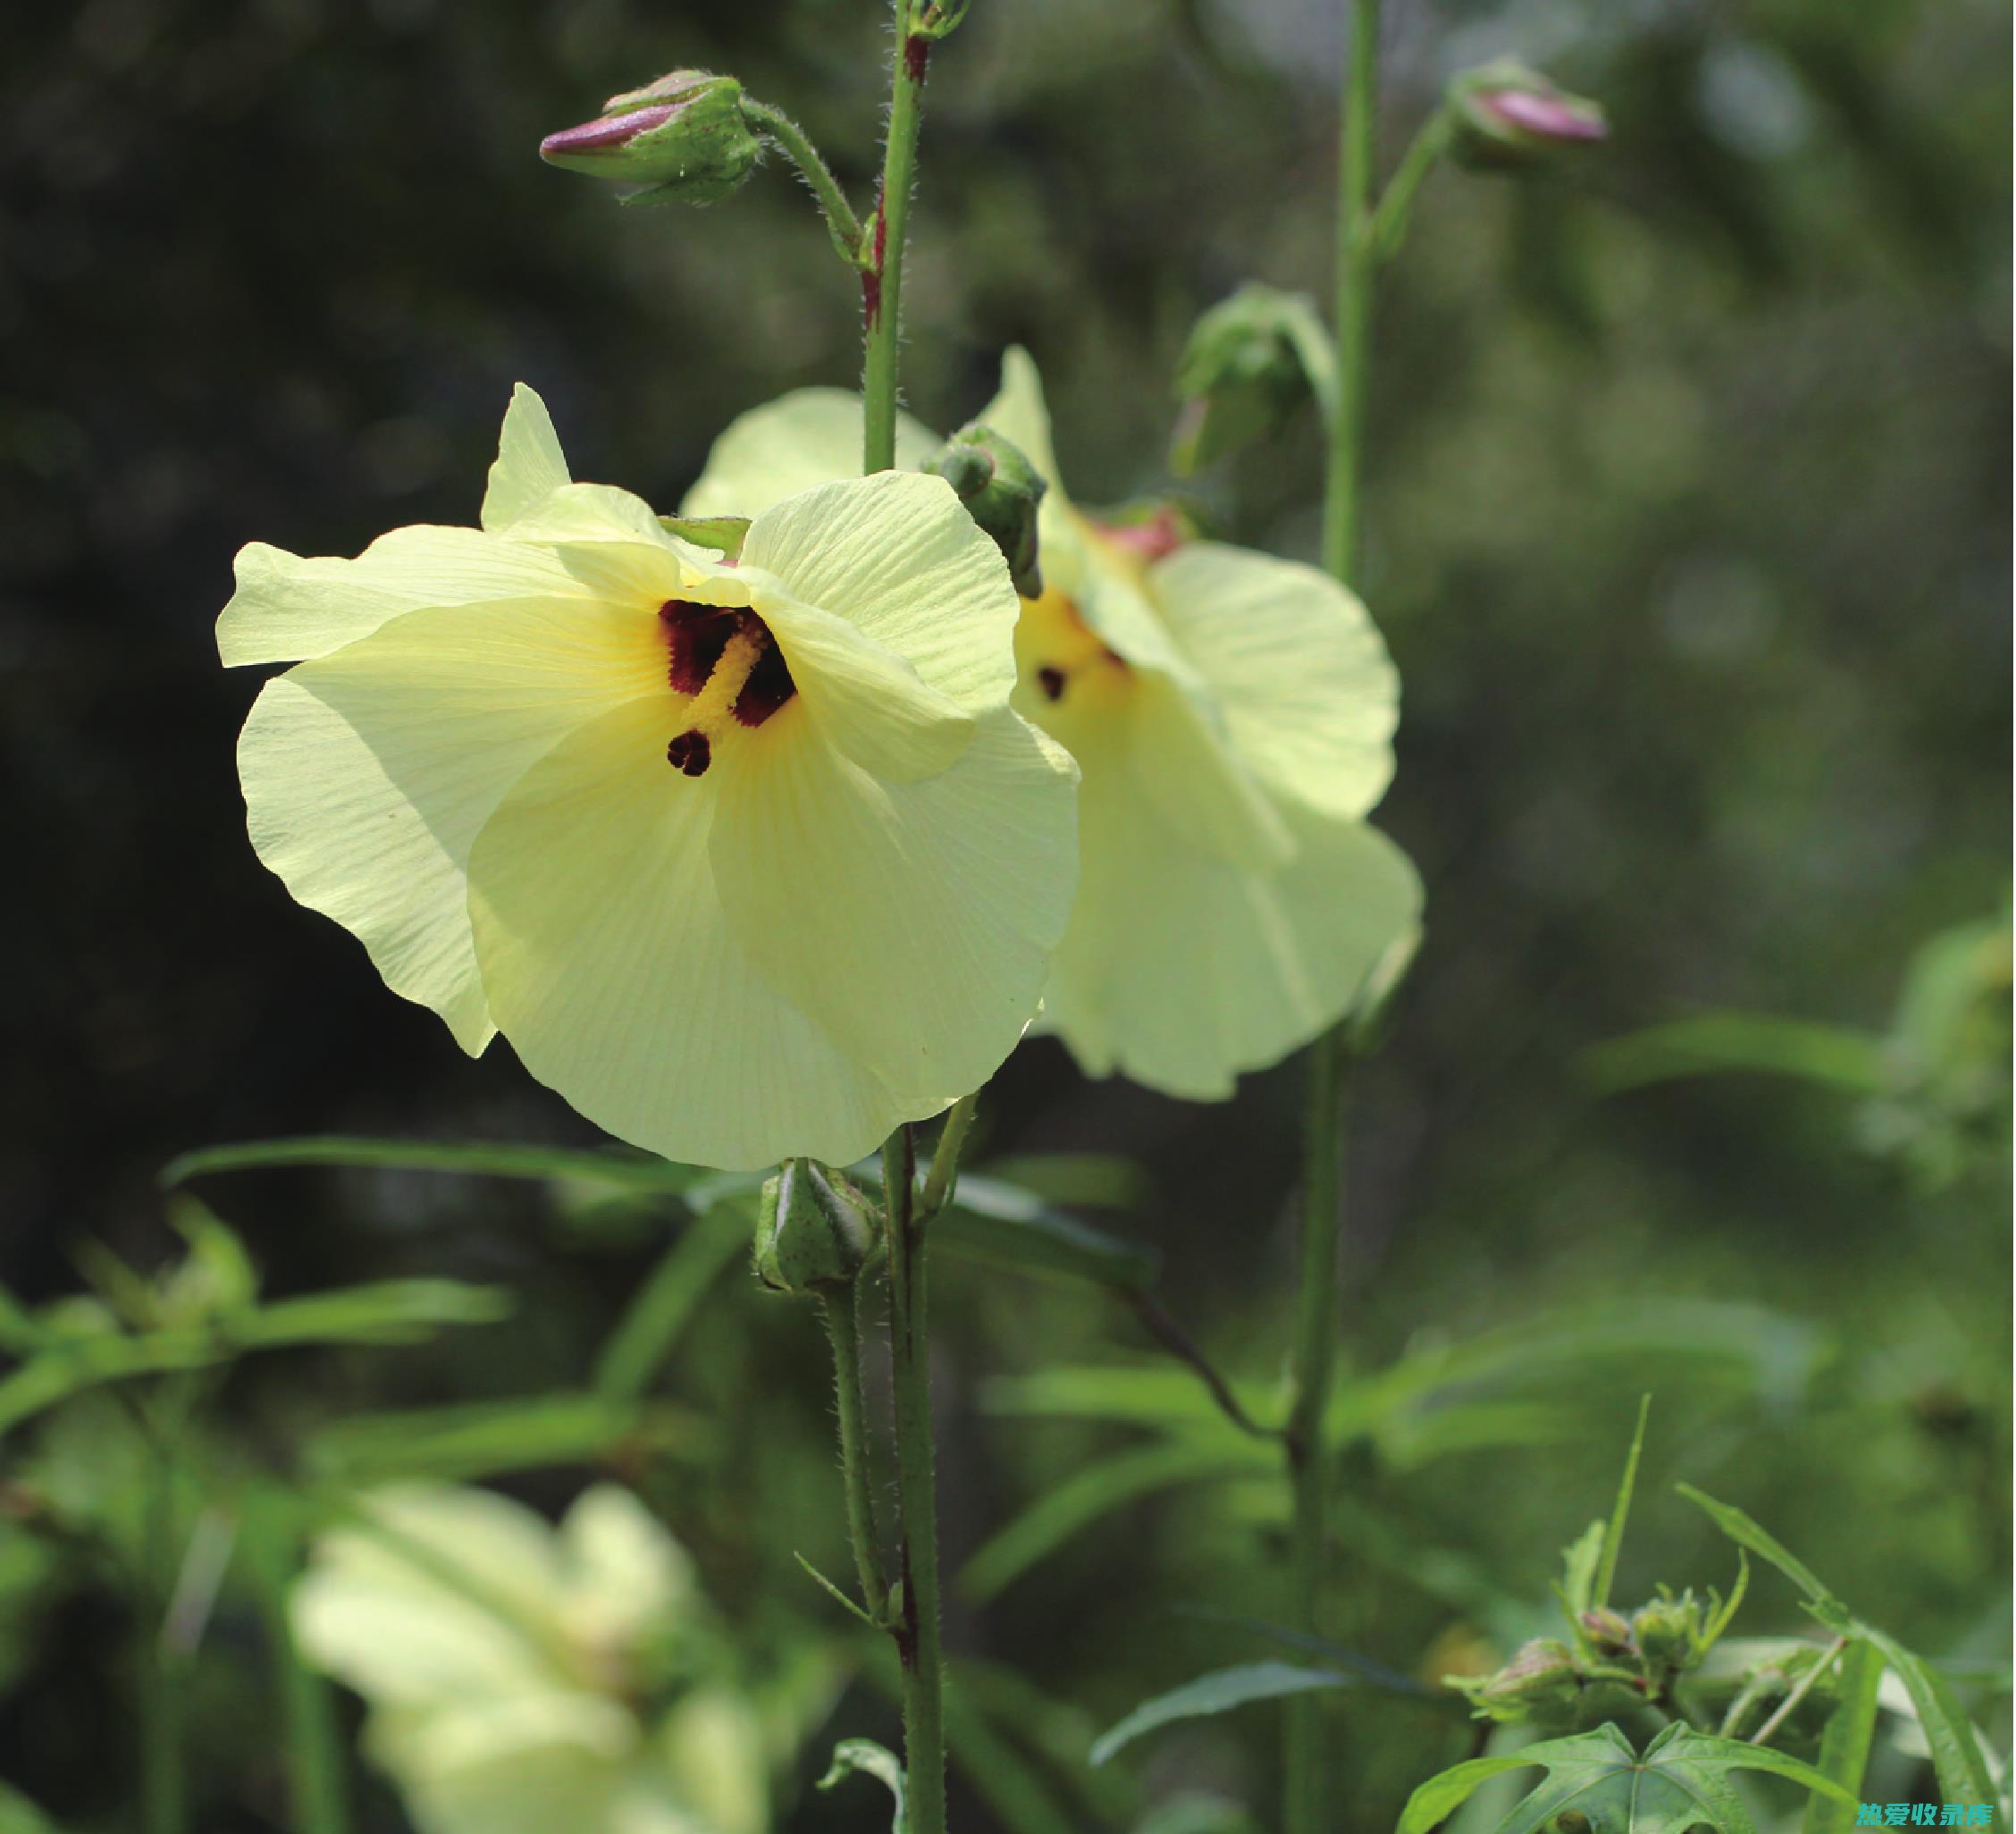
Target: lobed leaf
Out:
[1215,1692]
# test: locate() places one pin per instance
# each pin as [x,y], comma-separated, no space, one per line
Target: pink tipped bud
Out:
[680,140]
[1506,115]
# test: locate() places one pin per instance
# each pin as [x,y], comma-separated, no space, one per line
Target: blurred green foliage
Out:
[1686,524]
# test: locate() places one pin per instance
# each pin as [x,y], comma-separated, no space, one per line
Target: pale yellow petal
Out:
[529,463]
[625,1572]
[1309,696]
[897,556]
[369,773]
[612,969]
[287,607]
[1183,970]
[539,1763]
[811,436]
[614,545]
[713,1746]
[1020,413]
[864,698]
[913,921]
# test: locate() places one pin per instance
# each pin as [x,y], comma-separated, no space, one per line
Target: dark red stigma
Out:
[695,636]
[1052,682]
[690,753]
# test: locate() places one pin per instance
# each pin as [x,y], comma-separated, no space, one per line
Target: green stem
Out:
[917,1621]
[314,1748]
[792,141]
[942,1179]
[1307,1803]
[882,280]
[1396,201]
[839,1312]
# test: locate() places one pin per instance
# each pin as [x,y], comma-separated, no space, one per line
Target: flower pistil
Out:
[730,665]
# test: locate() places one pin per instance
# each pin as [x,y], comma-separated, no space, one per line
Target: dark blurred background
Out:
[1686,527]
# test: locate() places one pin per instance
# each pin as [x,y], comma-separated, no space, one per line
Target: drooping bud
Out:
[1505,115]
[811,1231]
[1244,373]
[1540,1678]
[1002,491]
[682,139]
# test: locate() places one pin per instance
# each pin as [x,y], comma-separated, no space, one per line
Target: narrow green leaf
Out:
[461,1443]
[1215,1692]
[1956,1749]
[1092,1180]
[1845,1746]
[863,1754]
[387,1311]
[644,1336]
[630,1172]
[1579,1562]
[1719,1043]
[1745,1532]
[1006,1227]
[1079,1502]
[1021,1801]
[1620,1513]
[834,1592]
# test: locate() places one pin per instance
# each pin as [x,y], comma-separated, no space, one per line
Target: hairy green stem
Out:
[839,1312]
[792,141]
[1307,1807]
[917,1619]
[882,275]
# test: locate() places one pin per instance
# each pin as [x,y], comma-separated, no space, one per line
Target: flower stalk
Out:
[840,1312]
[1314,1349]
[790,139]
[916,1618]
[882,273]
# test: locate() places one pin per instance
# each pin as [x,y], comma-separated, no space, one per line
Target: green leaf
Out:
[1019,1797]
[1956,1750]
[1680,1782]
[1092,1180]
[1215,1692]
[1716,1043]
[644,1336]
[459,1444]
[1579,1560]
[1085,1498]
[1620,1512]
[1745,1532]
[622,1170]
[1845,1746]
[387,1311]
[996,1223]
[863,1754]
[723,533]
[19,1815]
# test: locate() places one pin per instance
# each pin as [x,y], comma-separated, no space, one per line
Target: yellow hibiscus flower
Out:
[747,860]
[1232,715]
[515,1673]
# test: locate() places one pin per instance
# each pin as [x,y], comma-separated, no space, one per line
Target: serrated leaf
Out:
[1216,1693]
[872,1760]
[1956,1750]
[1681,1781]
[631,1172]
[1845,1746]
[1745,1532]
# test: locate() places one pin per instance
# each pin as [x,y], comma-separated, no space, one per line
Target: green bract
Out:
[1231,715]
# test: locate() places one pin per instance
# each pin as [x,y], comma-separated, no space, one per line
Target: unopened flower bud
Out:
[1506,115]
[1002,491]
[681,139]
[1540,1676]
[811,1231]
[1241,376]
[1608,1633]
[1668,1631]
